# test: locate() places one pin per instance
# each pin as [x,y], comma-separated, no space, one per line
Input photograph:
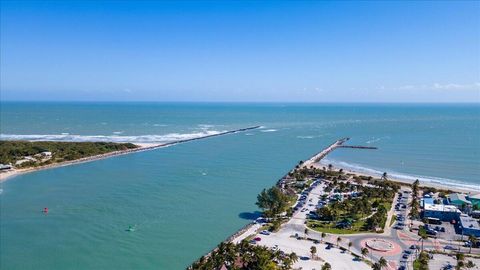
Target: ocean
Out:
[184,199]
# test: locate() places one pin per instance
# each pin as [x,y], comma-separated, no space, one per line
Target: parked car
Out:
[264,232]
[448,247]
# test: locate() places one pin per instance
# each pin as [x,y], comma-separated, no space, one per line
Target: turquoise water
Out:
[186,198]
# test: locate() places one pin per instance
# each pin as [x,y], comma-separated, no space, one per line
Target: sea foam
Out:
[110,138]
[401,176]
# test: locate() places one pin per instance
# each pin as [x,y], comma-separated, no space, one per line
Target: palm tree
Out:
[424,237]
[459,256]
[306,232]
[473,241]
[350,244]
[339,239]
[376,266]
[415,185]
[364,252]
[313,250]
[470,264]
[293,257]
[330,167]
[323,236]
[382,262]
[326,266]
[384,176]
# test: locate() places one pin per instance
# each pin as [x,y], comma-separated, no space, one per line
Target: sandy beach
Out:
[403,181]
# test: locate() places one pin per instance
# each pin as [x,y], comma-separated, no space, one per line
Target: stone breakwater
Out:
[9,174]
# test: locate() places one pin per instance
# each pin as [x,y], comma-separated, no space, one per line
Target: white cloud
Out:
[440,86]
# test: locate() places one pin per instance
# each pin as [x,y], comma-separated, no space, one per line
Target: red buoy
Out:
[45,210]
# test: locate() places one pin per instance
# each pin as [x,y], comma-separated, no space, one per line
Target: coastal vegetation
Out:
[381,264]
[245,256]
[273,202]
[25,154]
[358,204]
[421,263]
[414,205]
[363,209]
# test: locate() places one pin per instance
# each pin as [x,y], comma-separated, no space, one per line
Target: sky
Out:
[240,51]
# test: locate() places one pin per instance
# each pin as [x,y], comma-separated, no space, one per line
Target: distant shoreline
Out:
[4,176]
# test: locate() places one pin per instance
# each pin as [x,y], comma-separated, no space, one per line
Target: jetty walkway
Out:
[7,175]
[337,144]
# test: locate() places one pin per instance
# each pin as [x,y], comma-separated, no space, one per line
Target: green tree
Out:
[470,264]
[272,201]
[293,256]
[326,266]
[382,262]
[364,252]
[339,240]
[313,251]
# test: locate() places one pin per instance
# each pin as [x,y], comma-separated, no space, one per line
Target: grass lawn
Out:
[357,226]
[394,218]
[329,227]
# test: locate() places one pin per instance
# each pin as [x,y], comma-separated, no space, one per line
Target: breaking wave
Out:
[110,138]
[400,176]
[309,136]
[373,140]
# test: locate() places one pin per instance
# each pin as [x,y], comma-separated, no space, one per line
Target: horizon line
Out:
[240,102]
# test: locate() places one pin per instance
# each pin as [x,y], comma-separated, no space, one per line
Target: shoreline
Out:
[439,186]
[4,176]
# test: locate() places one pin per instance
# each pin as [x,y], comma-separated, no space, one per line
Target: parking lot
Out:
[401,206]
[441,261]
